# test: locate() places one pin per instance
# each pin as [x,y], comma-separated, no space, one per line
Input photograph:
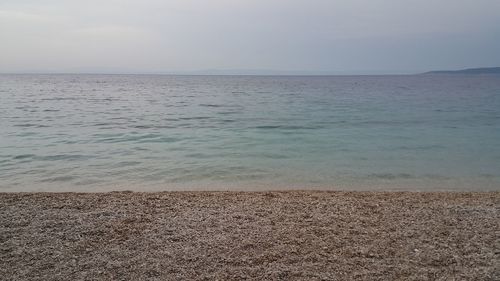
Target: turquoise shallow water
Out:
[154,132]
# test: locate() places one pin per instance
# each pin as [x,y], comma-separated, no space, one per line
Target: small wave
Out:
[29,125]
[142,127]
[391,176]
[270,155]
[160,140]
[436,177]
[267,127]
[153,127]
[61,178]
[421,147]
[198,155]
[287,127]
[112,124]
[24,156]
[211,105]
[122,138]
[61,99]
[57,157]
[195,118]
[109,135]
[88,182]
[126,163]
[227,112]
[26,134]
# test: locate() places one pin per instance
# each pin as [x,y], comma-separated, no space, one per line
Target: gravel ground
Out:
[290,235]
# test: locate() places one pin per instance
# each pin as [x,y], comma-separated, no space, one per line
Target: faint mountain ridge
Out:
[482,70]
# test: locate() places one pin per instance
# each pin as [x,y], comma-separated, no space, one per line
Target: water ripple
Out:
[82,132]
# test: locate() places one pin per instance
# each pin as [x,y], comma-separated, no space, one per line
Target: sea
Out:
[86,133]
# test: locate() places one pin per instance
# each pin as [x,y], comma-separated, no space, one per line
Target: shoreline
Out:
[251,191]
[292,235]
[472,186]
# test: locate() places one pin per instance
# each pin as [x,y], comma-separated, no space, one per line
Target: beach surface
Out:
[292,235]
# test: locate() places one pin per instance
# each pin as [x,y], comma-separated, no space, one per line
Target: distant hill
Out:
[483,70]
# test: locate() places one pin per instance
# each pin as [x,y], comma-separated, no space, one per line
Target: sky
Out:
[261,36]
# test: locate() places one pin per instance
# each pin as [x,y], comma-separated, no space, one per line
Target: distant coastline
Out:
[483,70]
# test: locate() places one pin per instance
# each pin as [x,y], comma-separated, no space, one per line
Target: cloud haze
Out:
[346,36]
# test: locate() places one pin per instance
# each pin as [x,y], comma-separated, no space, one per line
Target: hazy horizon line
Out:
[234,72]
[250,72]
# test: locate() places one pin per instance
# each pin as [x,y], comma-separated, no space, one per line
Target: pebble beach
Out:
[292,235]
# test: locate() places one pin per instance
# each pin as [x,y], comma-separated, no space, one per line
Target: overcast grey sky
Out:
[333,36]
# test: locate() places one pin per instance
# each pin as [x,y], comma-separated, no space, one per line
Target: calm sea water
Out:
[141,132]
